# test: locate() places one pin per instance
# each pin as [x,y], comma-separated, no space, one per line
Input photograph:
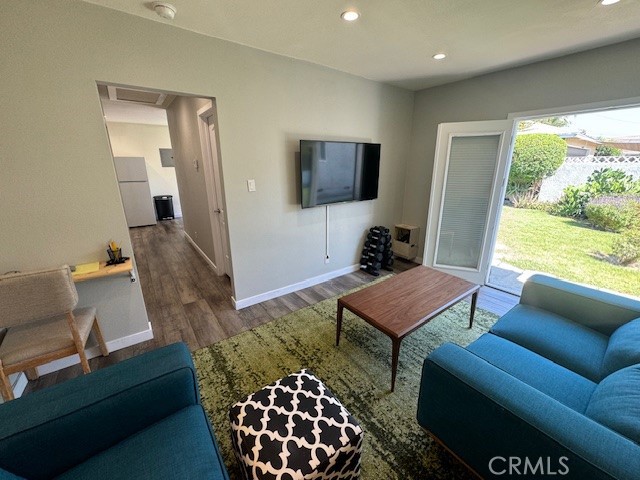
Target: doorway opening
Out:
[572,202]
[598,213]
[169,180]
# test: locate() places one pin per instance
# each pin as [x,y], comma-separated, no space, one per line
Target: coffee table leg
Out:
[395,353]
[474,299]
[339,323]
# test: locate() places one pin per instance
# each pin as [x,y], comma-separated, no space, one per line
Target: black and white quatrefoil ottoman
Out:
[293,429]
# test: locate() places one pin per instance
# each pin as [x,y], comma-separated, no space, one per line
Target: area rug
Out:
[358,372]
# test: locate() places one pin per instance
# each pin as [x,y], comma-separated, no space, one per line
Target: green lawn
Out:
[566,248]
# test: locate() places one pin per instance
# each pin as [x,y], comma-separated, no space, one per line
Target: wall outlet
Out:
[326,259]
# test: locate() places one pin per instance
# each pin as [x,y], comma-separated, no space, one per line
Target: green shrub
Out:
[525,199]
[626,248]
[605,181]
[535,156]
[529,200]
[607,151]
[613,212]
[573,201]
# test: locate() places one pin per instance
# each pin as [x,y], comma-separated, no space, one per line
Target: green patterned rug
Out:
[358,372]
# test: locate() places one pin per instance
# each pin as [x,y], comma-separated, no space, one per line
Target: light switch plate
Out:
[251,185]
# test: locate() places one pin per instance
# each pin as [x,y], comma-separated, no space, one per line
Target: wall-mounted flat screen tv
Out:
[335,172]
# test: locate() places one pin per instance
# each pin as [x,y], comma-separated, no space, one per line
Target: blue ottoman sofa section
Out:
[140,418]
[553,388]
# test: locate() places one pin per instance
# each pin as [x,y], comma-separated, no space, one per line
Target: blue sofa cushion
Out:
[64,420]
[623,349]
[180,446]
[615,403]
[4,475]
[593,308]
[567,343]
[480,412]
[552,379]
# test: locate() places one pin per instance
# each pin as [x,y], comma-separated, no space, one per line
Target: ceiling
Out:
[394,40]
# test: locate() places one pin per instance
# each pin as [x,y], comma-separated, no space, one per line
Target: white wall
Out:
[182,116]
[603,74]
[137,140]
[58,189]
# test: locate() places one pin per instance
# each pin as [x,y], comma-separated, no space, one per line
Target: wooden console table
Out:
[106,271]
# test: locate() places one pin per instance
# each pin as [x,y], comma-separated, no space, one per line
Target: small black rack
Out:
[377,253]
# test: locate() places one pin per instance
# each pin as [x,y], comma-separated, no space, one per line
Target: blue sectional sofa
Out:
[553,389]
[138,419]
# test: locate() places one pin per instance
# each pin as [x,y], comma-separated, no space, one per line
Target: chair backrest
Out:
[29,296]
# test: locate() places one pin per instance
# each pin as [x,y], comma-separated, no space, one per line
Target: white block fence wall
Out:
[576,170]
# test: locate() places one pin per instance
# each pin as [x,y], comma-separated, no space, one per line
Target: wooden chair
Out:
[37,311]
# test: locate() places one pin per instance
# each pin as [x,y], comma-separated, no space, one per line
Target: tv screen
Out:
[334,172]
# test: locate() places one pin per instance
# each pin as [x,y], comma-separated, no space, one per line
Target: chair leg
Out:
[98,333]
[5,386]
[79,346]
[32,374]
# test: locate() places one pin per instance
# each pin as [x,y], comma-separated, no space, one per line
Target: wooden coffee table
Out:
[405,302]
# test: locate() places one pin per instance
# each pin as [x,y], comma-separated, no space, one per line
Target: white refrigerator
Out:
[134,189]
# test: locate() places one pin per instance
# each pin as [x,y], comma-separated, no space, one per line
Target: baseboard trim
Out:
[294,287]
[199,250]
[92,352]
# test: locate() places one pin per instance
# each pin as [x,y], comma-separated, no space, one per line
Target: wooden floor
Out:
[187,302]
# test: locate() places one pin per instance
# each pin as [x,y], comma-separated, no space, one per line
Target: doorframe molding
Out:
[576,109]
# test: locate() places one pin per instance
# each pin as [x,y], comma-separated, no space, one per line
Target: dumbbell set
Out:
[376,253]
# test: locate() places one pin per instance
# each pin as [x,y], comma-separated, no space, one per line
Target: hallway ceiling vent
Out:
[136,96]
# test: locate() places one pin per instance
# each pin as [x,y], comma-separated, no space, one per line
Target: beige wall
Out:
[182,116]
[136,140]
[603,74]
[58,189]
[59,195]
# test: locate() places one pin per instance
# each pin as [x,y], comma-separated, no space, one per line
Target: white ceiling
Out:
[394,40]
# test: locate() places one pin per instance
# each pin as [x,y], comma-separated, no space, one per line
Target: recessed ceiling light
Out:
[440,56]
[609,2]
[350,15]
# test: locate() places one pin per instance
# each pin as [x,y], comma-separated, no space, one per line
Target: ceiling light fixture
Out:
[439,56]
[350,15]
[609,2]
[165,10]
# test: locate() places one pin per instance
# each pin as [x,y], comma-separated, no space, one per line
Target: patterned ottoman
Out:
[295,429]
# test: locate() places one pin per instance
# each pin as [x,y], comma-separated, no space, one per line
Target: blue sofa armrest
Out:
[596,309]
[50,431]
[480,412]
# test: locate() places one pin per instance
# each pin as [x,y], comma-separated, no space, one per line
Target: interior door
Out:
[219,210]
[469,178]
